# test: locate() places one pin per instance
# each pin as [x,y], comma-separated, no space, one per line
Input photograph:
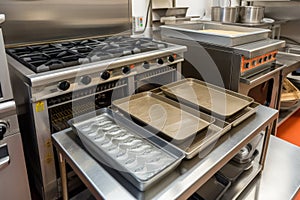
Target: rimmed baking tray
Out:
[137,154]
[207,97]
[164,115]
[214,33]
[193,145]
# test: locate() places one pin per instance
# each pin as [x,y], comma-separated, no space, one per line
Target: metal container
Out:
[212,33]
[168,12]
[251,14]
[141,157]
[225,14]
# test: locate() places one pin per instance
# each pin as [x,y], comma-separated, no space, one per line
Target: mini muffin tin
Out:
[117,142]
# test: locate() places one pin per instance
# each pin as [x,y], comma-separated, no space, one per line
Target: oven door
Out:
[263,87]
[155,78]
[13,176]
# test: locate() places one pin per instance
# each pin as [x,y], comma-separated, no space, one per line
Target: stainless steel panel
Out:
[8,116]
[117,147]
[5,85]
[207,97]
[45,155]
[259,48]
[165,117]
[215,33]
[32,21]
[284,157]
[285,11]
[13,176]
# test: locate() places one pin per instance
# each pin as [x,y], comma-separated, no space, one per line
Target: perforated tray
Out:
[137,154]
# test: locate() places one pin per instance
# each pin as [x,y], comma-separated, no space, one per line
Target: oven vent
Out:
[155,72]
[91,91]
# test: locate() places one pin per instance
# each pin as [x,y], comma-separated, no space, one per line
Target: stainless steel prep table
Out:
[292,63]
[181,183]
[281,176]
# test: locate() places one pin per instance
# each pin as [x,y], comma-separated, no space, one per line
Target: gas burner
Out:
[45,57]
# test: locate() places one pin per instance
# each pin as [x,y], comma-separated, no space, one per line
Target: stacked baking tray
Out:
[214,33]
[141,157]
[189,113]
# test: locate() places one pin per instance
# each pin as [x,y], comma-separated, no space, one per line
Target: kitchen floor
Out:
[289,130]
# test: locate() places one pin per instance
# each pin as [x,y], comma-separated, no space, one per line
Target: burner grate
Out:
[46,57]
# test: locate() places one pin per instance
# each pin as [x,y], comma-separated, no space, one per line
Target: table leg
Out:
[63,175]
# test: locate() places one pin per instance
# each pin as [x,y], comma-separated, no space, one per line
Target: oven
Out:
[87,76]
[13,176]
[243,64]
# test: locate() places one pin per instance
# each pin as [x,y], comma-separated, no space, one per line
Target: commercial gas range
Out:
[57,81]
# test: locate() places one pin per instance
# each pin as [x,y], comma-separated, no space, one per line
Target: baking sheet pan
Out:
[207,97]
[204,138]
[141,157]
[164,115]
[214,33]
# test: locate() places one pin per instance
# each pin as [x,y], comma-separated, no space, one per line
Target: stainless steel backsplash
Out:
[287,10]
[30,21]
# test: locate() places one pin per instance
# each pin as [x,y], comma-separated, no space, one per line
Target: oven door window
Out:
[63,108]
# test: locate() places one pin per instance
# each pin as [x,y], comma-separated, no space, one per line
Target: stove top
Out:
[52,56]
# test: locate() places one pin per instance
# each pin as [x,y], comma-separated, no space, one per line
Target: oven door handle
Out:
[259,76]
[4,162]
[4,156]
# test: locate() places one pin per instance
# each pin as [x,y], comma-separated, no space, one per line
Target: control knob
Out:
[85,80]
[64,85]
[126,70]
[160,61]
[146,65]
[105,75]
[3,129]
[171,59]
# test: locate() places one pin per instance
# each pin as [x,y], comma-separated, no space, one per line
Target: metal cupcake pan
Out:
[207,97]
[141,157]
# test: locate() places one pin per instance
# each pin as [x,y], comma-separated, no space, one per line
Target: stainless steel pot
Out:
[225,14]
[251,14]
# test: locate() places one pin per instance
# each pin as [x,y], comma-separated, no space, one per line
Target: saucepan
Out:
[251,14]
[225,14]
